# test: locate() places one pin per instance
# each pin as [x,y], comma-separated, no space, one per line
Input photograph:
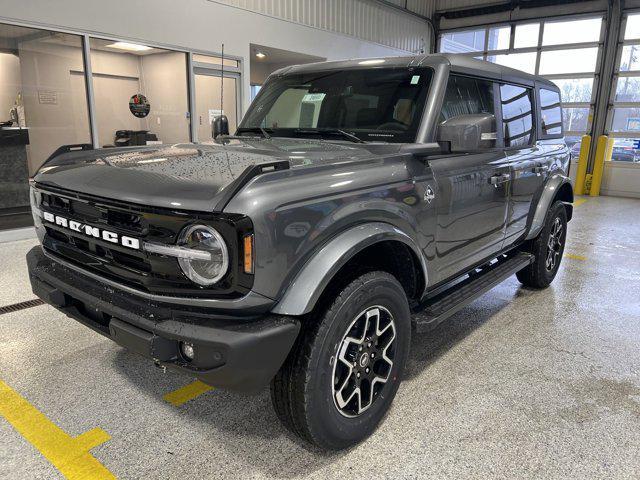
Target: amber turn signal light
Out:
[248,254]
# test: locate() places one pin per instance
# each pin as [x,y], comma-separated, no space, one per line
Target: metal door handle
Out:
[540,169]
[496,180]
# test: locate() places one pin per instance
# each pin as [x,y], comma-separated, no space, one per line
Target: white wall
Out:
[196,24]
[9,83]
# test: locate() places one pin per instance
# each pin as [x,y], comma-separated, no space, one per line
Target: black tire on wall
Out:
[548,248]
[355,349]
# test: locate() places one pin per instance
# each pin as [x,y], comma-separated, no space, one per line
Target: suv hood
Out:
[183,176]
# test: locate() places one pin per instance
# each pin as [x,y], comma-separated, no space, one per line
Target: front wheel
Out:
[341,377]
[548,248]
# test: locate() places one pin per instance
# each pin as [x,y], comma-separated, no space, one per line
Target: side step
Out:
[444,304]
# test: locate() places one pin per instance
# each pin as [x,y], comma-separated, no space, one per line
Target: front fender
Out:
[549,194]
[310,282]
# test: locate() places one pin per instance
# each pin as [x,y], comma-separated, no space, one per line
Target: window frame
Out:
[534,115]
[538,99]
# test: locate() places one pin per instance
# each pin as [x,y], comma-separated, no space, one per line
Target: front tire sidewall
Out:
[325,421]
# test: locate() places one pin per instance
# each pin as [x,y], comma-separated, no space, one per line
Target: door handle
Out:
[496,180]
[540,169]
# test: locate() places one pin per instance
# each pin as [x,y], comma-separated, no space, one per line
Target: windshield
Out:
[373,104]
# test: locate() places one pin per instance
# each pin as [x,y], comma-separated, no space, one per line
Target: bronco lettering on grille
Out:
[91,231]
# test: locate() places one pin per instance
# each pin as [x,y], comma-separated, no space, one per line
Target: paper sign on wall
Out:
[213,113]
[47,97]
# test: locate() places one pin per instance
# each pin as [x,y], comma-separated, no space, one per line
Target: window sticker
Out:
[415,79]
[314,97]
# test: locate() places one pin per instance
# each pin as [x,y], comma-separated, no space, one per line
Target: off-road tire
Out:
[303,391]
[538,274]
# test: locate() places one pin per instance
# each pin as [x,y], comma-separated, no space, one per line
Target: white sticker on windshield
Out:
[415,79]
[314,97]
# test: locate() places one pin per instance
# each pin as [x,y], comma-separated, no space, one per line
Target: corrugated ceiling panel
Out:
[364,19]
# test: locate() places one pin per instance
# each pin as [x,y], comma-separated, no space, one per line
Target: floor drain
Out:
[21,306]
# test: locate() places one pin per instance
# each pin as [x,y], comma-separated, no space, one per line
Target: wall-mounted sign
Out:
[139,106]
[213,114]
[47,97]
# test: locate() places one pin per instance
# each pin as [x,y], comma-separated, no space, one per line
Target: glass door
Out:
[208,95]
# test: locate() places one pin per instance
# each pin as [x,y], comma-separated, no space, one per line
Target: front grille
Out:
[136,268]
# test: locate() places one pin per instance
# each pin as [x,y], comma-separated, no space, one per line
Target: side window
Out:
[550,112]
[471,96]
[466,96]
[517,115]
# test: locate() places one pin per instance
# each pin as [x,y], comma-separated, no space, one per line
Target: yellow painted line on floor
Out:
[186,393]
[573,256]
[68,454]
[579,201]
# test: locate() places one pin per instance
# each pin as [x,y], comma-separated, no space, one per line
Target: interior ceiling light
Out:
[374,61]
[133,47]
[260,54]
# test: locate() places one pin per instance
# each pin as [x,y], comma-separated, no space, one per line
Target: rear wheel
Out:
[548,248]
[341,377]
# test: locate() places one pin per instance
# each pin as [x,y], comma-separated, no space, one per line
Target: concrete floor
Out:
[520,384]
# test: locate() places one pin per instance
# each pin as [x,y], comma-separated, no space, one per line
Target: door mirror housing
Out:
[220,126]
[469,133]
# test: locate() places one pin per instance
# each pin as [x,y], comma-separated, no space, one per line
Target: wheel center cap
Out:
[364,360]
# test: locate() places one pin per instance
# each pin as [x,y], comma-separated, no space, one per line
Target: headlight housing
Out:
[204,238]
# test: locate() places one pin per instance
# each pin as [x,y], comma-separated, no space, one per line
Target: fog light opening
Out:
[186,349]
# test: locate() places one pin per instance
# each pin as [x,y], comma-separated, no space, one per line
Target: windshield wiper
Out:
[331,131]
[261,130]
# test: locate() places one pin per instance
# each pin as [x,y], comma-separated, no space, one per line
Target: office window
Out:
[527,35]
[499,38]
[140,94]
[579,60]
[575,90]
[41,108]
[525,62]
[517,115]
[463,41]
[572,31]
[551,116]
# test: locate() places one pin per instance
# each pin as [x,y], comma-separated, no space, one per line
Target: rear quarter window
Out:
[550,112]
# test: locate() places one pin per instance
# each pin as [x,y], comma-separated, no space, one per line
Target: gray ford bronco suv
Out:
[357,202]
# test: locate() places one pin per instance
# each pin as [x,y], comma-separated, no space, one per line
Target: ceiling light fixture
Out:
[260,54]
[132,47]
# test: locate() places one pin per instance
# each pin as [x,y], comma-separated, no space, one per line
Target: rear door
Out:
[525,158]
[472,188]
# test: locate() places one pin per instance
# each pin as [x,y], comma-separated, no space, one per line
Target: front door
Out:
[523,155]
[471,204]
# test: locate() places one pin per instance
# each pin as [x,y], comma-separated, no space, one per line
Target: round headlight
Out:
[207,239]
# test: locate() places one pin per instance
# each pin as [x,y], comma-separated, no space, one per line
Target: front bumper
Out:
[235,353]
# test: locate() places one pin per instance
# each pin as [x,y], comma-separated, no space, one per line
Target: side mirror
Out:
[468,133]
[220,126]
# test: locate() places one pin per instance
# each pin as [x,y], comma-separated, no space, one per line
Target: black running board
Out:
[440,307]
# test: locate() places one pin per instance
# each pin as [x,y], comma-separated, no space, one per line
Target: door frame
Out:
[199,68]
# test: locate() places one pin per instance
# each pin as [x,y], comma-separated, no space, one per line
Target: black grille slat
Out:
[16,307]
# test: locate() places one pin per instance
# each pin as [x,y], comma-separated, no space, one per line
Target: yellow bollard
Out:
[583,159]
[604,151]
